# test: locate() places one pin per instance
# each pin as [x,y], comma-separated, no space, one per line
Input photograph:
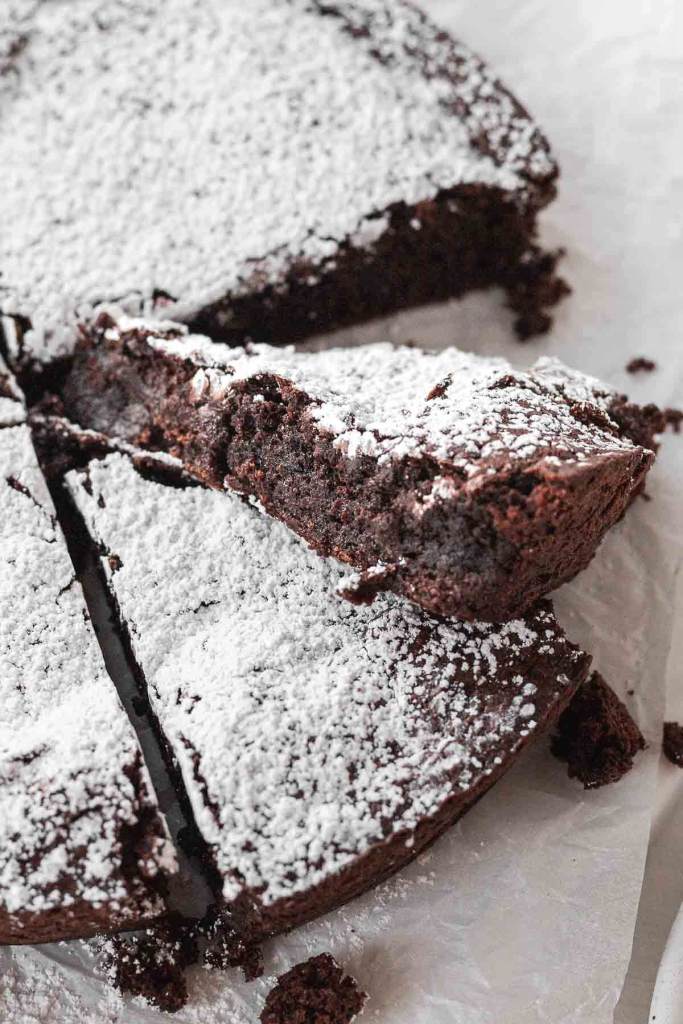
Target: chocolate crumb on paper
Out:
[672,743]
[641,364]
[227,947]
[673,418]
[314,992]
[597,736]
[151,964]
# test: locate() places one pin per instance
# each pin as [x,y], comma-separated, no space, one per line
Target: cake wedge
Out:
[319,746]
[287,166]
[83,845]
[467,486]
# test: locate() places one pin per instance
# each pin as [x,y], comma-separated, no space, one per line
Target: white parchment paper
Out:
[525,911]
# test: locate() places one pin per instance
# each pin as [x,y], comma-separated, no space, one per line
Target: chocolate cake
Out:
[83,848]
[152,963]
[597,736]
[320,745]
[672,743]
[470,488]
[314,992]
[266,169]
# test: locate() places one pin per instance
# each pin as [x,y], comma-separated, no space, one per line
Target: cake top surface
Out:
[12,407]
[70,773]
[197,148]
[478,414]
[306,729]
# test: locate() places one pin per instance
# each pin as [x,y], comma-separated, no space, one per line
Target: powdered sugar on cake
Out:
[389,402]
[71,777]
[307,730]
[12,408]
[189,150]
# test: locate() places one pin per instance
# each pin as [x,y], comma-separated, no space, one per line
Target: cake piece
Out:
[266,169]
[468,487]
[597,736]
[320,745]
[151,965]
[672,743]
[314,992]
[83,848]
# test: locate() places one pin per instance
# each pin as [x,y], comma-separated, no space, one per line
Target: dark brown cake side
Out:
[476,536]
[597,736]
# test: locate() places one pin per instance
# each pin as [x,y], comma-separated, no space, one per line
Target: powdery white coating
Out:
[201,147]
[66,743]
[12,407]
[306,730]
[392,402]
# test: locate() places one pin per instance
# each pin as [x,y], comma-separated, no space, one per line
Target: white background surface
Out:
[525,912]
[605,80]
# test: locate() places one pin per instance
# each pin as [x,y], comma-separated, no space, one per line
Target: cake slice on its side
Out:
[320,745]
[83,848]
[350,159]
[468,487]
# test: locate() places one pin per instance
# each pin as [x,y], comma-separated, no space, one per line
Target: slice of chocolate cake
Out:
[466,486]
[265,169]
[83,848]
[320,745]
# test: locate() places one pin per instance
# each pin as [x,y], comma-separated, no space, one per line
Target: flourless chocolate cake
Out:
[469,487]
[320,745]
[83,848]
[266,169]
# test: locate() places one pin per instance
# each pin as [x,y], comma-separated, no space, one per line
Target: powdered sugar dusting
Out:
[12,407]
[472,412]
[307,730]
[68,754]
[197,150]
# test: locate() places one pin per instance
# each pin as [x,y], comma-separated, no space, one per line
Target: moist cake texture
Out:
[82,845]
[320,745]
[597,736]
[264,169]
[467,486]
[314,992]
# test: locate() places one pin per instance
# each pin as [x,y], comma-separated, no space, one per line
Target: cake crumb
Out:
[641,364]
[151,964]
[596,735]
[673,418]
[672,743]
[314,992]
[227,947]
[535,288]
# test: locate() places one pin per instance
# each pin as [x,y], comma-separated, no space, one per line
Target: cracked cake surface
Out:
[470,487]
[82,845]
[285,164]
[320,745]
